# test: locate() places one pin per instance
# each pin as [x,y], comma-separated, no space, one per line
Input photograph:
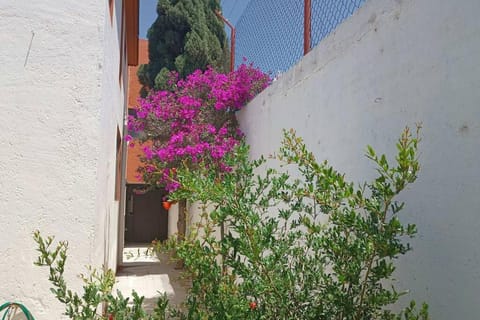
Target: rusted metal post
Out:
[307,26]
[232,39]
[232,46]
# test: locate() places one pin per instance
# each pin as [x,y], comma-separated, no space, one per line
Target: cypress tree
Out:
[187,35]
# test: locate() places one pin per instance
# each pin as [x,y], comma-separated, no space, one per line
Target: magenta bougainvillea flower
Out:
[194,121]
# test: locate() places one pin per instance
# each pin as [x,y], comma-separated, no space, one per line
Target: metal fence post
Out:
[307,26]
[232,39]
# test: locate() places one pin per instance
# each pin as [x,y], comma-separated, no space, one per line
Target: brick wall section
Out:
[134,86]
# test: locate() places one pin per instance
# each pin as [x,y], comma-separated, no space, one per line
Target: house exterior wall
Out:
[112,121]
[62,100]
[395,63]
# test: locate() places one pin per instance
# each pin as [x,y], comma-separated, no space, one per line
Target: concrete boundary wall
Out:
[395,63]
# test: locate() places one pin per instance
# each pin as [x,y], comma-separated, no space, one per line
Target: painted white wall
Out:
[113,109]
[61,103]
[173,220]
[194,212]
[195,219]
[394,63]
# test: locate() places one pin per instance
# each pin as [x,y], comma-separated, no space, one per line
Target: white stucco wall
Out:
[394,63]
[61,103]
[113,108]
[173,220]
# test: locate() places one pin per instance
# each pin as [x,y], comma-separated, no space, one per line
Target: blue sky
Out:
[232,10]
[148,14]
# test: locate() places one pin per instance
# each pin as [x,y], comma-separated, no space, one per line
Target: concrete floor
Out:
[150,277]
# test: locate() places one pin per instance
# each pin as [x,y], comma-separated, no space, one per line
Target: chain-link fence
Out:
[270,33]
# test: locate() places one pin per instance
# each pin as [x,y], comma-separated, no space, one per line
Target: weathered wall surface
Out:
[57,159]
[172,220]
[113,108]
[394,63]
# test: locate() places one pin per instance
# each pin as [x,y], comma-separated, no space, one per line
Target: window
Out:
[118,166]
[110,8]
[135,134]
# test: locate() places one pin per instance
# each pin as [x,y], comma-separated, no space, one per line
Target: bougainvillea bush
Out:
[193,121]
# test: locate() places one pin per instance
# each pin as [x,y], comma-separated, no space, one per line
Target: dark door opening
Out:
[145,219]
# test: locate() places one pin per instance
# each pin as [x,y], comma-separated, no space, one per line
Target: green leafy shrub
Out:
[273,246]
[316,247]
[97,301]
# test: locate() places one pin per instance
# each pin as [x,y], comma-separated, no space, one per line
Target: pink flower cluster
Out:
[195,121]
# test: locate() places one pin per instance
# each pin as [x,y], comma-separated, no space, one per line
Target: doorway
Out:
[145,217]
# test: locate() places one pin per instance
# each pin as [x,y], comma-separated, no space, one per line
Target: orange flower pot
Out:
[166,205]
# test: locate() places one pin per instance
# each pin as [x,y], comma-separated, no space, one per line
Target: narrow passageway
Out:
[150,276]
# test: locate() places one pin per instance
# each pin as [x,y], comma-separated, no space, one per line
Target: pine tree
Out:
[187,35]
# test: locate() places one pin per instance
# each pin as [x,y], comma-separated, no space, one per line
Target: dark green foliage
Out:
[187,35]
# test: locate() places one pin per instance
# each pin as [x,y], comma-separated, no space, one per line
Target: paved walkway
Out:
[150,277]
